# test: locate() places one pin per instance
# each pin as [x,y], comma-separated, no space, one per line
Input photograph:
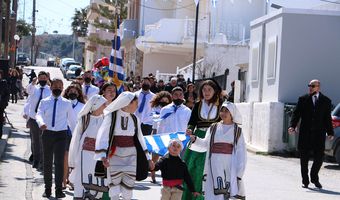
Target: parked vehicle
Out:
[72,70]
[23,59]
[332,147]
[63,61]
[51,62]
[67,65]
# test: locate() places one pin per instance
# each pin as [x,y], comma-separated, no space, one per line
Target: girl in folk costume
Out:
[82,148]
[226,156]
[121,147]
[75,95]
[204,113]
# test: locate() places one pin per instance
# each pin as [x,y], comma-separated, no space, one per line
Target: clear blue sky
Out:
[52,14]
[56,14]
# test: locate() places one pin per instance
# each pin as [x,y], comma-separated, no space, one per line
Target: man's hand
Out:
[151,165]
[330,137]
[106,162]
[291,130]
[188,132]
[25,116]
[196,194]
[43,127]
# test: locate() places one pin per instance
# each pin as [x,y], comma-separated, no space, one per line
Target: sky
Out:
[52,15]
[55,15]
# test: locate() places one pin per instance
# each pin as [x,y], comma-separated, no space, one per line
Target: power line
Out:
[166,9]
[328,1]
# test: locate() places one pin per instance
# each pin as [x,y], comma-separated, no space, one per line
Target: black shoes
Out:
[317,184]
[47,193]
[31,158]
[59,194]
[305,185]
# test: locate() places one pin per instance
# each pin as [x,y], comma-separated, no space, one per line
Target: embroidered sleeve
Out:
[102,140]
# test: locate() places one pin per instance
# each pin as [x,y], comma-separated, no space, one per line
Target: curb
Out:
[7,131]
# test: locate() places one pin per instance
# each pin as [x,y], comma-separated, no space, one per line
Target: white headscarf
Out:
[235,113]
[92,104]
[121,101]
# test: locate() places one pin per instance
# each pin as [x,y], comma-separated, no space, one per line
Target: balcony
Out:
[173,35]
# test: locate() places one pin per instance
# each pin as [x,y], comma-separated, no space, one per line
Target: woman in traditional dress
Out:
[204,113]
[82,148]
[121,147]
[75,95]
[226,156]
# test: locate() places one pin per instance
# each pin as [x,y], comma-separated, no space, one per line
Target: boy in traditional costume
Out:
[121,147]
[226,156]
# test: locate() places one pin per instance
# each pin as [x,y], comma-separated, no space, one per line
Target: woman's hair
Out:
[155,100]
[103,87]
[216,88]
[80,97]
[190,84]
[76,84]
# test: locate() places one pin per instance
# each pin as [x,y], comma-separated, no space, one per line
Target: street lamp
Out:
[16,38]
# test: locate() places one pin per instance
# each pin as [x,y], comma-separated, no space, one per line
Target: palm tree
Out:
[79,22]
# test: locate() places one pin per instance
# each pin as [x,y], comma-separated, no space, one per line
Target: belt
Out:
[89,144]
[222,148]
[123,141]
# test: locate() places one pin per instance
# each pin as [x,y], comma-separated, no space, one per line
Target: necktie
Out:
[75,105]
[169,113]
[87,89]
[141,106]
[41,95]
[54,111]
[315,99]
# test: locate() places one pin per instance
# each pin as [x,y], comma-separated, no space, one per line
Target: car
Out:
[50,62]
[332,147]
[63,61]
[66,66]
[72,71]
[23,59]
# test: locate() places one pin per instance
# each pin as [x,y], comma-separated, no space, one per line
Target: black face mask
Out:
[145,87]
[42,83]
[162,104]
[72,96]
[178,102]
[87,80]
[56,92]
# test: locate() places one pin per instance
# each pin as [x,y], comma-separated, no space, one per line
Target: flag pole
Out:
[195,43]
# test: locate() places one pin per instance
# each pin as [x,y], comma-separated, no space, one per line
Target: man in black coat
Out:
[4,97]
[314,110]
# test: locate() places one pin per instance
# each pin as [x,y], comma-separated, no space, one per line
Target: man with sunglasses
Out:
[314,110]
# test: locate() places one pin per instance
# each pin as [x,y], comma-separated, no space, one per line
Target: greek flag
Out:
[116,69]
[159,143]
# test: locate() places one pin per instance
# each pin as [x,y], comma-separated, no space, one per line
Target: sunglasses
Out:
[312,86]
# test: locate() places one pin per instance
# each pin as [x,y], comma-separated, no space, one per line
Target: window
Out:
[271,57]
[255,62]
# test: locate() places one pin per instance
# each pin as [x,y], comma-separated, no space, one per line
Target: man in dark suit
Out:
[314,110]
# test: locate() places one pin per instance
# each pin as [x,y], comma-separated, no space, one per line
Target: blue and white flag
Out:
[159,143]
[116,69]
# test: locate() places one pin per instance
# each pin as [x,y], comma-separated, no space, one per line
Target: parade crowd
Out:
[93,138]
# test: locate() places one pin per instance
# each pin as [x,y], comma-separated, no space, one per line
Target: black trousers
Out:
[36,143]
[53,146]
[305,155]
[146,129]
[2,120]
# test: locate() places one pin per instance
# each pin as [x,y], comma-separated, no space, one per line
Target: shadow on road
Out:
[324,191]
[333,167]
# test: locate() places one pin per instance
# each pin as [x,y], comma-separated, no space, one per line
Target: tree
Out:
[79,22]
[23,28]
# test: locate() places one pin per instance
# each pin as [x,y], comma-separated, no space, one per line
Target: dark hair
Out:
[103,88]
[216,88]
[160,95]
[177,88]
[146,78]
[56,80]
[80,97]
[76,84]
[42,73]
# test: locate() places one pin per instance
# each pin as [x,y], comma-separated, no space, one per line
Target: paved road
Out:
[266,177]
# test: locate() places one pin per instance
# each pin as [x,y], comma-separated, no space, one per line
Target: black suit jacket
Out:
[315,121]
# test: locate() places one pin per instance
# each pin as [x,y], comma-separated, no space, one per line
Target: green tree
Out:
[79,22]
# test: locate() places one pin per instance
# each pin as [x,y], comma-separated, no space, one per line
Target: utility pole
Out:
[1,28]
[13,24]
[195,43]
[8,11]
[33,33]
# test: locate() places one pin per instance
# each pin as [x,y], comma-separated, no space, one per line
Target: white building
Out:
[288,48]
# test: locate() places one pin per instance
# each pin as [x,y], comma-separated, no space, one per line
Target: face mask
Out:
[42,83]
[56,92]
[87,80]
[162,104]
[72,96]
[178,102]
[145,87]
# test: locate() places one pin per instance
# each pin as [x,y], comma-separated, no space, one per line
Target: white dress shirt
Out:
[145,116]
[64,115]
[34,99]
[93,90]
[77,106]
[176,121]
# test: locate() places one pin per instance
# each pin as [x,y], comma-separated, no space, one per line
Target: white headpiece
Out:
[121,101]
[235,113]
[92,104]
